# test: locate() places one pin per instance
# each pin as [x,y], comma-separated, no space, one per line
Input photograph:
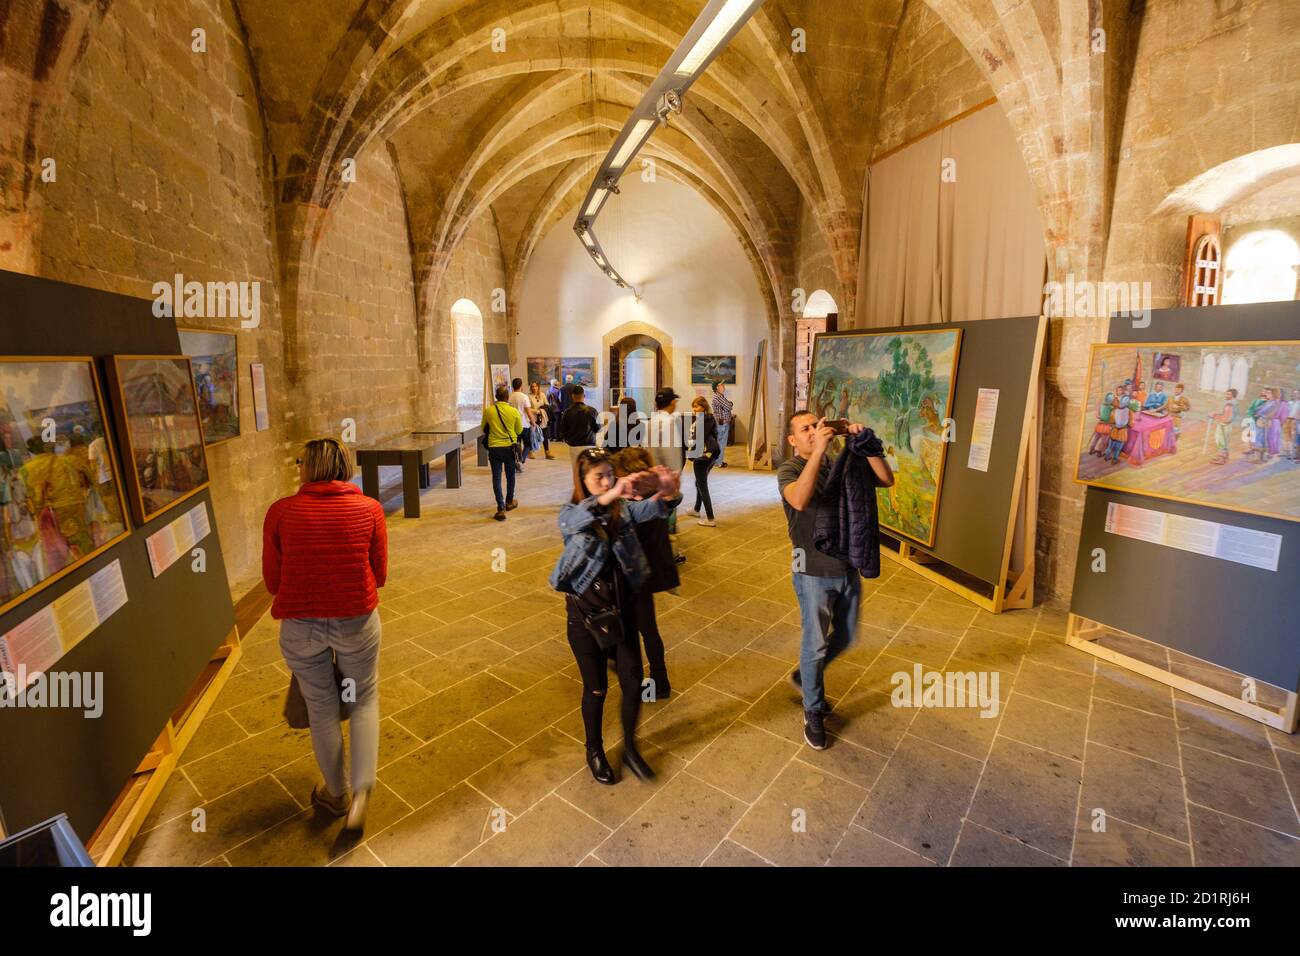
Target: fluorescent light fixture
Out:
[597,198]
[713,36]
[587,241]
[640,132]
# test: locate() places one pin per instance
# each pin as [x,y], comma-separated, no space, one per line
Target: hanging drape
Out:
[951,229]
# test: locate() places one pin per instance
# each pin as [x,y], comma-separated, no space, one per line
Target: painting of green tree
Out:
[900,385]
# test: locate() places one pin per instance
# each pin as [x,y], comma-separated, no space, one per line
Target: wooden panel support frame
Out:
[109,843]
[1017,568]
[1083,633]
[758,451]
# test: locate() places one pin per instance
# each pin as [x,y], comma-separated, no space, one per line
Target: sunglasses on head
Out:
[594,454]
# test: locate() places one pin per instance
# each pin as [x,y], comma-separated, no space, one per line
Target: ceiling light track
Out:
[713,29]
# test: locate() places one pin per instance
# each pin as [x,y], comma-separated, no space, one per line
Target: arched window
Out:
[467,340]
[1207,372]
[819,305]
[1261,267]
[1240,375]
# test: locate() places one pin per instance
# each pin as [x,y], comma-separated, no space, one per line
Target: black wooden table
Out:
[467,429]
[413,452]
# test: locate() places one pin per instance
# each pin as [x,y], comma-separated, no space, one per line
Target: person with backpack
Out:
[502,428]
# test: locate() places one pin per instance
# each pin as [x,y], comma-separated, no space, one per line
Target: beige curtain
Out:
[951,251]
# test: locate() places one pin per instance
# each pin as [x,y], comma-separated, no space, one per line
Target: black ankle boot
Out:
[599,766]
[633,760]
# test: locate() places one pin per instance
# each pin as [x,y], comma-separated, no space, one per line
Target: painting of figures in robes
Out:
[60,496]
[1210,423]
[900,385]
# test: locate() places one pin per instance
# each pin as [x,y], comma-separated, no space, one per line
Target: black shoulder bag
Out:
[599,606]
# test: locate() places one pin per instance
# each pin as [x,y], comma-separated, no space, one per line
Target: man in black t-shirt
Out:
[578,424]
[829,590]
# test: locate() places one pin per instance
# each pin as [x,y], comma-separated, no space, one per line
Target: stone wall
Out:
[161,171]
[358,313]
[163,168]
[931,79]
[476,270]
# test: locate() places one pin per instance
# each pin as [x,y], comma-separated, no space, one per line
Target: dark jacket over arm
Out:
[847,525]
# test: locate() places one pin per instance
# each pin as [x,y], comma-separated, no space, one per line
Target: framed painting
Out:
[707,369]
[1208,423]
[214,356]
[158,418]
[61,499]
[900,385]
[577,371]
[500,375]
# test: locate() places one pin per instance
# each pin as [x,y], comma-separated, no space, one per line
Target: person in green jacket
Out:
[503,426]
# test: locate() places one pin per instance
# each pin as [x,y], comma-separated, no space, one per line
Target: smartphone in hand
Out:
[646,484]
[839,426]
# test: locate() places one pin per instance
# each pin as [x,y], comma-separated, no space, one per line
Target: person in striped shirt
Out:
[722,414]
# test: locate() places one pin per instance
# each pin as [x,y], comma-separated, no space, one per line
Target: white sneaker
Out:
[707,523]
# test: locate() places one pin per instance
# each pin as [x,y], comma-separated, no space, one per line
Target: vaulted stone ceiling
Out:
[474,128]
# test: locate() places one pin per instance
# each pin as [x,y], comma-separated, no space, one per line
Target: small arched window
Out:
[1261,267]
[467,340]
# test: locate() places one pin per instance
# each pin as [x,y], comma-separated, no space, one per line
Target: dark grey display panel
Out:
[153,649]
[974,506]
[1230,614]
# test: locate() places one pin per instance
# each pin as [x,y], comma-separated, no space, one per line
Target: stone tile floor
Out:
[481,757]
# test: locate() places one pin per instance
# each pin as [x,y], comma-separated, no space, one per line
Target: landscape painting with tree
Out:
[60,497]
[900,385]
[1211,423]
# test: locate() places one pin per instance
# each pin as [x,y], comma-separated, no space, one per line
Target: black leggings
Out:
[702,466]
[649,628]
[592,665]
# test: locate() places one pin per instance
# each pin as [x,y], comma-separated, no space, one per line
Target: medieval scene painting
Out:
[1212,423]
[901,387]
[164,440]
[60,499]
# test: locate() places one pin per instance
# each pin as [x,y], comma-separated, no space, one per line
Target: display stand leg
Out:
[109,844]
[453,468]
[1084,634]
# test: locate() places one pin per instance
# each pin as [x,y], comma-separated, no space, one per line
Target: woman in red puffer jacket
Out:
[324,556]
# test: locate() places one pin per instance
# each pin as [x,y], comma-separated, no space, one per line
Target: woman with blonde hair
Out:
[324,557]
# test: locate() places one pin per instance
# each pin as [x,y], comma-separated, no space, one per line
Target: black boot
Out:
[633,760]
[663,689]
[599,766]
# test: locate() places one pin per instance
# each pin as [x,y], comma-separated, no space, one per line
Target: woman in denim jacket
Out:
[604,565]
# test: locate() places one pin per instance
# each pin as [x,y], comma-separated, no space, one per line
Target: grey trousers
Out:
[306,644]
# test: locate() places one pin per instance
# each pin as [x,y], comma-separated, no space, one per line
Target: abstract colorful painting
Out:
[900,385]
[214,356]
[1224,432]
[60,495]
[158,413]
[707,369]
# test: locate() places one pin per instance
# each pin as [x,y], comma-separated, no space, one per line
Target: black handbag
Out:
[598,606]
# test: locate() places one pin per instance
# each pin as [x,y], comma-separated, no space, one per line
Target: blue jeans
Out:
[503,458]
[828,609]
[723,432]
[306,644]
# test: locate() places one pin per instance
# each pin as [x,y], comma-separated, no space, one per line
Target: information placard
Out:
[1258,549]
[981,436]
[35,645]
[176,538]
